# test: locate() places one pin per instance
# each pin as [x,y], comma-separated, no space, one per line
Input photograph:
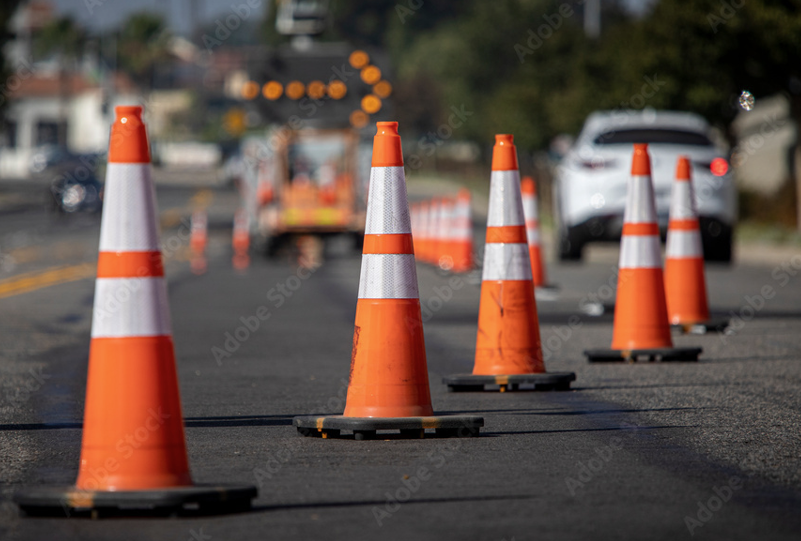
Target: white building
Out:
[66,110]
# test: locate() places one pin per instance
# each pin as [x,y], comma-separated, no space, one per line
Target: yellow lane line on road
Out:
[172,216]
[49,277]
[31,281]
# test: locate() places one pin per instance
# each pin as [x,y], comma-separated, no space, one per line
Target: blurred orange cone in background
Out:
[198,240]
[264,184]
[435,229]
[508,348]
[133,453]
[425,232]
[241,240]
[462,233]
[685,283]
[388,387]
[641,325]
[531,212]
[414,218]
[445,260]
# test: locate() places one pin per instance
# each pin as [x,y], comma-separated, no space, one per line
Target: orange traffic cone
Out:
[241,240]
[425,232]
[641,326]
[388,386]
[445,260]
[264,184]
[462,233]
[531,212]
[434,239]
[133,454]
[414,218]
[198,239]
[685,284]
[508,348]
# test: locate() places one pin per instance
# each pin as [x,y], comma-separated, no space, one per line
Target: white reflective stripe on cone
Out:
[387,206]
[530,207]
[129,209]
[684,244]
[452,229]
[461,233]
[505,206]
[640,252]
[388,276]
[444,221]
[682,205]
[506,261]
[130,307]
[640,203]
[533,236]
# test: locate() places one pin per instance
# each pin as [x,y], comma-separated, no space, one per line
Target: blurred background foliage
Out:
[702,53]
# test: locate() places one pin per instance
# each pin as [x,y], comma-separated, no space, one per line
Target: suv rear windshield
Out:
[670,137]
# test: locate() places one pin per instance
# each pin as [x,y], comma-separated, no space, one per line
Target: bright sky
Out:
[105,14]
[110,13]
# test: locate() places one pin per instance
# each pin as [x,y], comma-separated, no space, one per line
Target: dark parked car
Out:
[70,194]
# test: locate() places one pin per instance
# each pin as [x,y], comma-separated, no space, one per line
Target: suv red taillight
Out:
[719,167]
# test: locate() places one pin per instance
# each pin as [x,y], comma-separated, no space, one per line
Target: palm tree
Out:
[67,39]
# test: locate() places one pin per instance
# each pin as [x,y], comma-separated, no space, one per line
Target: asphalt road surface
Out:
[706,450]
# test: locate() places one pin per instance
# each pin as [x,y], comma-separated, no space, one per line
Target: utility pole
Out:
[592,18]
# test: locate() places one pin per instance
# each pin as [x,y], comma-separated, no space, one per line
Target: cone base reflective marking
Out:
[702,327]
[195,499]
[547,381]
[632,355]
[364,428]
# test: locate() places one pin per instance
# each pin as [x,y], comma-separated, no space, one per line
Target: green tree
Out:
[143,44]
[66,39]
[7,9]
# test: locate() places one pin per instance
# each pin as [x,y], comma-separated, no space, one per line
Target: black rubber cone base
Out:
[547,381]
[191,500]
[651,355]
[702,327]
[365,428]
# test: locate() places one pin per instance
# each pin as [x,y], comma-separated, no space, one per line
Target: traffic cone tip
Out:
[641,162]
[504,154]
[683,168]
[128,142]
[528,186]
[387,151]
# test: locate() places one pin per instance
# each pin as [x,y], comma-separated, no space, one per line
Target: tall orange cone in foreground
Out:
[462,233]
[388,386]
[508,349]
[641,326]
[133,454]
[531,212]
[685,284]
[241,240]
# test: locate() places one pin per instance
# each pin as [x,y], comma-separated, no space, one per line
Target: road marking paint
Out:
[32,281]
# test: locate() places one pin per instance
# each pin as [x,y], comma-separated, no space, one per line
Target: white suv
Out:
[592,178]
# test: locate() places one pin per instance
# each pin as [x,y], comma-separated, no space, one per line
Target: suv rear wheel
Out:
[571,244]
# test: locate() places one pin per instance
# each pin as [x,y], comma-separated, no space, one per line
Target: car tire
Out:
[571,244]
[717,240]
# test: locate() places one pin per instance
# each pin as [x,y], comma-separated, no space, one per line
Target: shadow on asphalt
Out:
[239,420]
[362,503]
[580,430]
[193,422]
